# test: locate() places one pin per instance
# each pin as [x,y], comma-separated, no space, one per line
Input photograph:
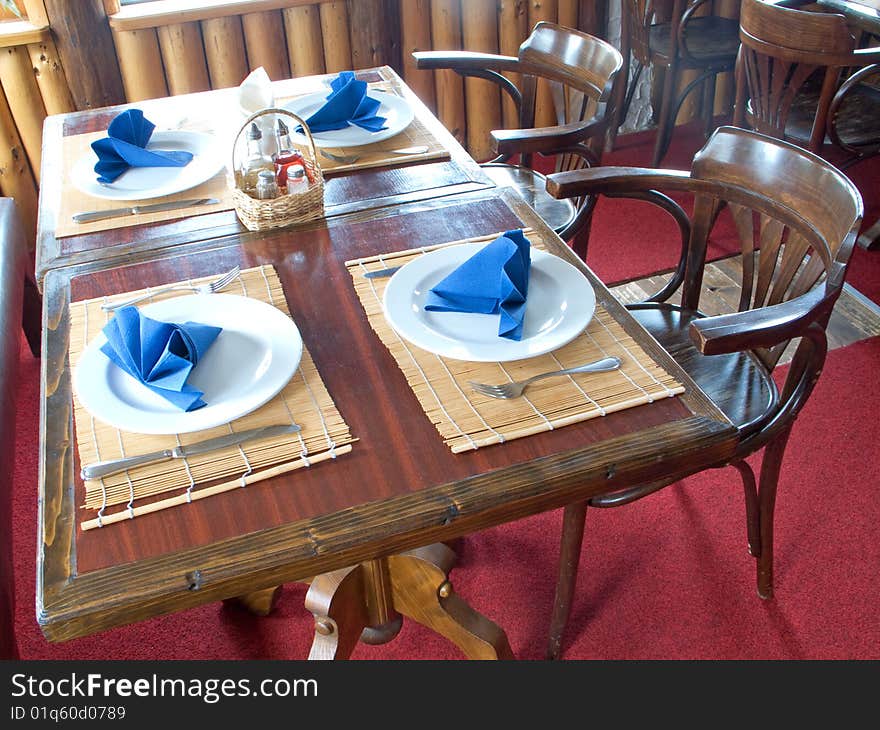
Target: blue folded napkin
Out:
[347,104]
[125,147]
[160,355]
[495,280]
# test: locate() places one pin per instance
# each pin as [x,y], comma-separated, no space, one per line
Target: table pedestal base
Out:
[366,602]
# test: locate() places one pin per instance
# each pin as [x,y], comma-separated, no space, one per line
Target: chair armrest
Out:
[759,328]
[464,61]
[546,139]
[617,180]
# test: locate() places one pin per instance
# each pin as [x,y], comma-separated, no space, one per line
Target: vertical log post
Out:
[375,33]
[302,25]
[16,179]
[50,78]
[25,103]
[513,27]
[568,13]
[539,10]
[85,45]
[265,43]
[446,32]
[224,51]
[140,62]
[482,98]
[184,57]
[334,30]
[415,21]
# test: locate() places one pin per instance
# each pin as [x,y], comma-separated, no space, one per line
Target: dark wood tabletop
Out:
[399,488]
[344,193]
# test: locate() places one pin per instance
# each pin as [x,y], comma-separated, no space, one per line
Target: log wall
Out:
[182,46]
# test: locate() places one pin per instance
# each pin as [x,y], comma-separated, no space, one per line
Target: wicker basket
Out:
[285,210]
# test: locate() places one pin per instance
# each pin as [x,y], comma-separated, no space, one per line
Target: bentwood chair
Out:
[13,263]
[674,35]
[801,78]
[797,217]
[581,71]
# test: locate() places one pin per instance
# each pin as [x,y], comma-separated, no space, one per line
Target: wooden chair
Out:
[581,71]
[13,264]
[676,40]
[797,217]
[800,77]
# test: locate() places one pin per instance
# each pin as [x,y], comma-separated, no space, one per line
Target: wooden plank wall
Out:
[293,38]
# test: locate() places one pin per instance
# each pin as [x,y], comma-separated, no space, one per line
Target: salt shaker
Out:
[297,181]
[266,188]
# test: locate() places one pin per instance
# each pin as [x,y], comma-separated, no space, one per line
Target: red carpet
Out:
[666,577]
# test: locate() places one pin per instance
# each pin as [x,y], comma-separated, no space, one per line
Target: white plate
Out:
[559,306]
[251,360]
[397,112]
[140,183]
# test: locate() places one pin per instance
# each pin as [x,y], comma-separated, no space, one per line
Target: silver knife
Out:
[97,215]
[382,273]
[106,468]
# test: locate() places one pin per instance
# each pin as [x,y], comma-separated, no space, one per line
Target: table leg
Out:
[259,602]
[338,604]
[365,602]
[422,591]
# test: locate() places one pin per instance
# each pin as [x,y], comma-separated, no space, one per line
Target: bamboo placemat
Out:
[74,200]
[304,400]
[467,420]
[377,154]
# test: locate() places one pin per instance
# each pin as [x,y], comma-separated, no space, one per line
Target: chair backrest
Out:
[796,215]
[784,49]
[580,69]
[12,269]
[636,17]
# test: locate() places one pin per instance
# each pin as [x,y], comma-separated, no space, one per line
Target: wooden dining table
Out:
[407,459]
[444,169]
[367,528]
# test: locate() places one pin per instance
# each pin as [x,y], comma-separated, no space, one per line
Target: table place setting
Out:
[359,125]
[500,340]
[177,396]
[160,174]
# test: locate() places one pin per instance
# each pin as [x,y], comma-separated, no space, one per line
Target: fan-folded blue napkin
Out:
[495,280]
[161,355]
[125,147]
[347,104]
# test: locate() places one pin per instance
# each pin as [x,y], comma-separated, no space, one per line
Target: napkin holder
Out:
[286,209]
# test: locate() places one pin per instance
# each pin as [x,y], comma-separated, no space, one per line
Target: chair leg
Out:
[770,467]
[665,119]
[753,527]
[709,105]
[573,519]
[31,315]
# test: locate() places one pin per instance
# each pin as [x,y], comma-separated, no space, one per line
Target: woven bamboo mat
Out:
[304,400]
[467,420]
[75,201]
[377,154]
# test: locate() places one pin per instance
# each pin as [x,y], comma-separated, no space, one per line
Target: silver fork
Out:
[515,390]
[207,288]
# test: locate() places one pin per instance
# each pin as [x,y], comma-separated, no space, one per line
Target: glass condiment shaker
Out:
[267,187]
[255,162]
[296,179]
[286,154]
